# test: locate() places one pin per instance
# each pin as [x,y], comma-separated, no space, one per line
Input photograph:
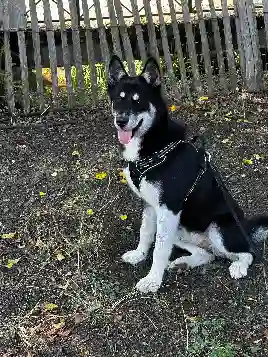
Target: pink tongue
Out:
[124,136]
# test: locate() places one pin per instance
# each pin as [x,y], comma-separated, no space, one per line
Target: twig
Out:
[185,321]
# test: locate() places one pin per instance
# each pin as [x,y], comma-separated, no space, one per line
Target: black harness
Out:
[139,169]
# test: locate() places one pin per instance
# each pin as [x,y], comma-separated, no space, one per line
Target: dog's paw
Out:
[148,285]
[238,269]
[181,262]
[133,257]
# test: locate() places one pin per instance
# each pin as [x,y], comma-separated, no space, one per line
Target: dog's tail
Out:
[257,228]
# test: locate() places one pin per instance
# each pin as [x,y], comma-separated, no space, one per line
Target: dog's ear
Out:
[116,70]
[151,72]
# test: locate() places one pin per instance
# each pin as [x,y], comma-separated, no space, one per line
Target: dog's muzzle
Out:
[122,121]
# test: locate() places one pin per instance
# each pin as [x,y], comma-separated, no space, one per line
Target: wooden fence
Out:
[203,49]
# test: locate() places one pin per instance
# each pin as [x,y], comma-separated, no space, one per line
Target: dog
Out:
[184,203]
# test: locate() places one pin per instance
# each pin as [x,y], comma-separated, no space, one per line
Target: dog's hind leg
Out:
[147,234]
[240,261]
[199,256]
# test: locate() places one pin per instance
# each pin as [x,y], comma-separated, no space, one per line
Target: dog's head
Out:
[136,101]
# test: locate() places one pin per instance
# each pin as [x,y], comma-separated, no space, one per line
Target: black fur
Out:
[206,204]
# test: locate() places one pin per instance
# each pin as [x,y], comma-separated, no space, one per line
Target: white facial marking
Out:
[122,94]
[136,97]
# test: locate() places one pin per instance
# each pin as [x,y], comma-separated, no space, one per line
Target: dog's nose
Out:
[122,120]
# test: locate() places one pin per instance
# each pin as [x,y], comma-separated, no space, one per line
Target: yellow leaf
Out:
[42,194]
[75,153]
[123,180]
[122,174]
[100,175]
[227,119]
[12,262]
[60,256]
[172,108]
[50,306]
[90,212]
[60,324]
[203,98]
[123,217]
[247,162]
[8,235]
[228,114]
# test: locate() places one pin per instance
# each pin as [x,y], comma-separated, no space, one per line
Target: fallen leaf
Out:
[75,153]
[123,180]
[48,306]
[90,212]
[8,235]
[247,161]
[12,262]
[60,256]
[258,157]
[60,324]
[225,141]
[54,174]
[123,217]
[203,98]
[100,175]
[172,108]
[42,194]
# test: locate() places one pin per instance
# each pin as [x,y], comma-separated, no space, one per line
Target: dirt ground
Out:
[64,290]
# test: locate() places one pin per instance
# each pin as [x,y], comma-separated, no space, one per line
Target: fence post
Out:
[250,45]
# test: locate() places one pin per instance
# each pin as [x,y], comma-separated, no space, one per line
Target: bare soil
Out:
[64,290]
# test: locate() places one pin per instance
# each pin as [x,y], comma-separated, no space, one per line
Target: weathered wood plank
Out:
[229,44]
[176,35]
[77,51]
[205,46]
[139,33]
[102,34]
[151,30]
[218,46]
[124,34]
[191,46]
[114,30]
[37,54]
[66,54]
[239,41]
[253,68]
[265,15]
[24,70]
[8,60]
[90,50]
[51,51]
[165,40]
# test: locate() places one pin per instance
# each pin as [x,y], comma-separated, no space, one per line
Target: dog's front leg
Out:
[147,234]
[167,227]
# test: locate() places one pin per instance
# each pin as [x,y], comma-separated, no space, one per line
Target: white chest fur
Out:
[149,192]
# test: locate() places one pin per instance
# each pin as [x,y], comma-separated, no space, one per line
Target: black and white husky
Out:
[184,205]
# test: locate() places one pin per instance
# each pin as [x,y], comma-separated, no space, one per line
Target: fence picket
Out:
[151,30]
[90,50]
[124,34]
[51,51]
[114,30]
[165,40]
[218,46]
[139,34]
[102,34]
[77,50]
[66,54]
[265,14]
[205,46]
[229,44]
[191,46]
[176,35]
[37,54]
[8,60]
